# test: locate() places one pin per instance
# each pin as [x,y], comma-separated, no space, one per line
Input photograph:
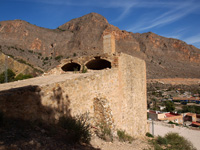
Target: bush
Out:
[170,122]
[161,140]
[104,132]
[169,106]
[77,128]
[23,76]
[124,136]
[178,142]
[172,141]
[58,57]
[191,108]
[84,69]
[149,134]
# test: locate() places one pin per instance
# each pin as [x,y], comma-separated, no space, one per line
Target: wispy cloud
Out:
[193,39]
[169,10]
[170,16]
[176,33]
[125,12]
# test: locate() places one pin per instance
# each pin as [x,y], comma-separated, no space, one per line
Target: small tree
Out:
[10,76]
[169,106]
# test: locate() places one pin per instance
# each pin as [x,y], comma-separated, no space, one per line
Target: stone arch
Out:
[98,64]
[71,67]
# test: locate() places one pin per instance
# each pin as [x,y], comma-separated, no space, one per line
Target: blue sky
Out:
[170,18]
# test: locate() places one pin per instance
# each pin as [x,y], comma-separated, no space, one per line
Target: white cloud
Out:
[193,39]
[176,33]
[173,10]
[125,12]
[172,15]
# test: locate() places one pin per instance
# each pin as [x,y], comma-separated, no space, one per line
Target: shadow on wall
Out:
[27,123]
[25,103]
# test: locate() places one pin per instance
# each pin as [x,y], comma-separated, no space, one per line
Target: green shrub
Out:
[161,140]
[191,108]
[23,76]
[123,136]
[169,106]
[61,29]
[104,132]
[172,141]
[77,128]
[149,134]
[58,57]
[84,69]
[22,61]
[46,58]
[178,142]
[10,76]
[170,122]
[30,51]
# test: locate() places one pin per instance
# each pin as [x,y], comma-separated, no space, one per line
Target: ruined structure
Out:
[111,87]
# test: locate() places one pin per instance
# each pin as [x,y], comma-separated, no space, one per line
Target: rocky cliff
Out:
[165,57]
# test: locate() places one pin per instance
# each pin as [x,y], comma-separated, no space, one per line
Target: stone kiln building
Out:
[113,90]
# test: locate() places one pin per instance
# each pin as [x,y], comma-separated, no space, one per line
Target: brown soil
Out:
[18,134]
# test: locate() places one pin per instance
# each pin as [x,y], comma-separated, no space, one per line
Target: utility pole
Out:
[6,69]
[152,127]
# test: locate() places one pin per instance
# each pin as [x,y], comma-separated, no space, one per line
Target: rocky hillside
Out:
[43,48]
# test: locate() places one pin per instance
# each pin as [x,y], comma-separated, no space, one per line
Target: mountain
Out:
[43,48]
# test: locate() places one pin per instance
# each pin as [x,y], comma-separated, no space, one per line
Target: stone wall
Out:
[132,80]
[116,96]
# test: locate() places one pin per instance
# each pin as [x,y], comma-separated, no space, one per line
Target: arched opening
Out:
[71,67]
[98,64]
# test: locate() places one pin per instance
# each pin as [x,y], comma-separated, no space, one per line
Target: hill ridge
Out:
[165,57]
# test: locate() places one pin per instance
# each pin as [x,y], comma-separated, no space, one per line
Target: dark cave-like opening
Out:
[71,67]
[98,64]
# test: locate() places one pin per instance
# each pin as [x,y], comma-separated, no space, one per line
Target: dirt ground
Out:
[137,144]
[17,134]
[176,81]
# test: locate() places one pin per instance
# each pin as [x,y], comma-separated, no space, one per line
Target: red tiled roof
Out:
[196,123]
[171,115]
[190,114]
[150,111]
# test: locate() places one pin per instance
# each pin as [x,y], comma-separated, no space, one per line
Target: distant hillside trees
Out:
[192,109]
[11,76]
[169,106]
[23,76]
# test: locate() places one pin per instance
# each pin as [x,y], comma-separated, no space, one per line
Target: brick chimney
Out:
[109,43]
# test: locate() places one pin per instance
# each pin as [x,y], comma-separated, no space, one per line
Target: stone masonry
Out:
[112,90]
